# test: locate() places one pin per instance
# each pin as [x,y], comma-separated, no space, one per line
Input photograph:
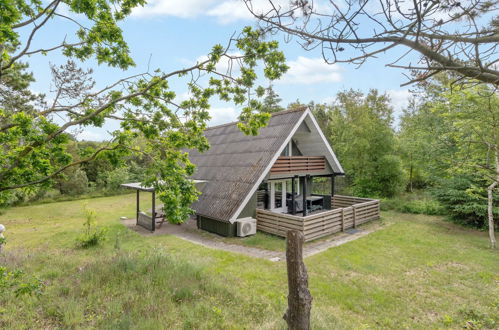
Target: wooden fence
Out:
[345,201]
[359,211]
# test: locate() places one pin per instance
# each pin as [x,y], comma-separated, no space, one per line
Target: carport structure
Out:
[143,219]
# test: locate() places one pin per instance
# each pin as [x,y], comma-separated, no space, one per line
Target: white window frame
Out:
[283,208]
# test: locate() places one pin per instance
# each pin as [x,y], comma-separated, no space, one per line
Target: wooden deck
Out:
[347,212]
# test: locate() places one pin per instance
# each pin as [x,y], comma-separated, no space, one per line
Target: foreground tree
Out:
[34,144]
[434,35]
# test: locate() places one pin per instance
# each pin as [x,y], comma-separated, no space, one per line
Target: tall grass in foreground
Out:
[128,290]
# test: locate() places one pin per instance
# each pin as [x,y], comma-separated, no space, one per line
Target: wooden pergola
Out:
[144,220]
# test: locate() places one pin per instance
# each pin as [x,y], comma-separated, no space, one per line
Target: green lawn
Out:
[418,272]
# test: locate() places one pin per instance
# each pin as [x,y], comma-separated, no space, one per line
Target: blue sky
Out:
[170,34]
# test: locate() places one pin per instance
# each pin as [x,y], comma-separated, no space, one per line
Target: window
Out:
[288,150]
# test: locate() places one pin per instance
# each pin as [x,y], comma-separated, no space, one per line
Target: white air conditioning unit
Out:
[246,227]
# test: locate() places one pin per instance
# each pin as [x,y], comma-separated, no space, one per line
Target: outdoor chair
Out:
[160,215]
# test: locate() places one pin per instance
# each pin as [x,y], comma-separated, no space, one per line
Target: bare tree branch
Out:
[448,35]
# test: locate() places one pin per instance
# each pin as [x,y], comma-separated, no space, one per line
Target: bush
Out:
[384,180]
[464,201]
[92,235]
[113,179]
[75,182]
[416,203]
[17,282]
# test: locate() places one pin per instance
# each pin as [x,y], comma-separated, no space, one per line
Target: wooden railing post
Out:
[297,315]
[342,219]
[354,215]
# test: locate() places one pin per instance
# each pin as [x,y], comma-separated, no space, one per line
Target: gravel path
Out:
[189,232]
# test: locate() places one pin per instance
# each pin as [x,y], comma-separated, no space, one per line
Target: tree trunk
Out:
[490,209]
[410,176]
[490,203]
[299,299]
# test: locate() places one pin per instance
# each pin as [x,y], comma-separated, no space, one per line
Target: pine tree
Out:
[271,102]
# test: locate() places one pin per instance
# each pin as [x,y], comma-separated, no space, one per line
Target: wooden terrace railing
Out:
[352,212]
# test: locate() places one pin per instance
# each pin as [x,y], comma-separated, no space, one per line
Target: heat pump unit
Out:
[246,227]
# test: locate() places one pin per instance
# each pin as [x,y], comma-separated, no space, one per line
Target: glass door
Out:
[278,196]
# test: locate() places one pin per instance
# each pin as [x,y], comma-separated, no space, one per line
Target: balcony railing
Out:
[293,164]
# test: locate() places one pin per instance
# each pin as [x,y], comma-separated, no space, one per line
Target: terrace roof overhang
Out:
[139,186]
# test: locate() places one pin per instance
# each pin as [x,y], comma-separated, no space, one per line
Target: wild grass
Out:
[418,272]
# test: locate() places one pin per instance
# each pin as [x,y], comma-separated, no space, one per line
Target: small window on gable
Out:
[285,152]
[288,150]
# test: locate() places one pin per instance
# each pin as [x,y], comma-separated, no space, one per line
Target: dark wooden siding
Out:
[221,228]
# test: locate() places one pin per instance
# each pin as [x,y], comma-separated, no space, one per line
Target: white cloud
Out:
[230,11]
[223,115]
[399,98]
[227,11]
[183,8]
[306,70]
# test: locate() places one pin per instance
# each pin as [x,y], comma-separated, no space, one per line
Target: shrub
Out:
[17,282]
[113,179]
[92,235]
[425,206]
[464,201]
[385,179]
[75,182]
[416,203]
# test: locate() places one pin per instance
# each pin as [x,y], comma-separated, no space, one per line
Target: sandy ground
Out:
[189,232]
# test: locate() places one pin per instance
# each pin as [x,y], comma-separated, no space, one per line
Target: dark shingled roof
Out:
[235,162]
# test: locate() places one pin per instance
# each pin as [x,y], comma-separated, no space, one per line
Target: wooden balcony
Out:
[293,164]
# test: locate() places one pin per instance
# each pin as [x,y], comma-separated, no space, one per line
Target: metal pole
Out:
[153,210]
